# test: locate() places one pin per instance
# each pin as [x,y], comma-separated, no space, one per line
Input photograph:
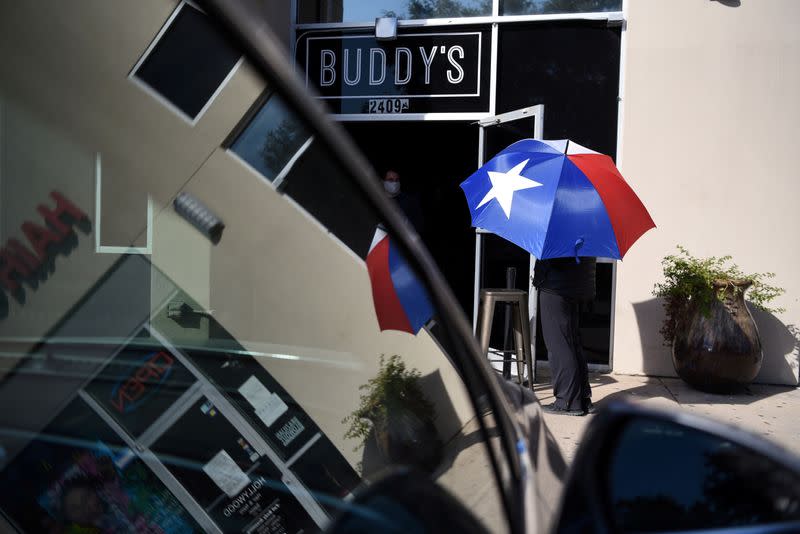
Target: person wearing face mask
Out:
[408,203]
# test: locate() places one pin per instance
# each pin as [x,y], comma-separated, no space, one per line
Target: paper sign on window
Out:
[268,406]
[226,474]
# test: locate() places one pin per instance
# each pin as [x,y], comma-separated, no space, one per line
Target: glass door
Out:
[500,263]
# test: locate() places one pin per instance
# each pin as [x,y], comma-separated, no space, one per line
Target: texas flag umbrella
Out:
[556,199]
[401,302]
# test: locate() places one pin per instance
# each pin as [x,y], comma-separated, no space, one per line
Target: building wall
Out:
[311,301]
[50,139]
[708,142]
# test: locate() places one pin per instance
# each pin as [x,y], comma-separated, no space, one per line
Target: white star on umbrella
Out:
[504,184]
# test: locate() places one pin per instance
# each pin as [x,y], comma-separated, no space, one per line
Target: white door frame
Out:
[538,132]
[537,112]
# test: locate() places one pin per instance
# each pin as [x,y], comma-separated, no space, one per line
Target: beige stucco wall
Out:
[65,98]
[708,141]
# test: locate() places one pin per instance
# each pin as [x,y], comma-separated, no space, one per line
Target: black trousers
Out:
[560,327]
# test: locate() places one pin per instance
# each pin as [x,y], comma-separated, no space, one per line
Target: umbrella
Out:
[401,302]
[556,199]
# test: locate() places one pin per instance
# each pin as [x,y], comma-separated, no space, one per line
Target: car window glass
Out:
[272,139]
[667,477]
[216,366]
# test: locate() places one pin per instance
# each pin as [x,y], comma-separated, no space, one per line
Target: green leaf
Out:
[688,287]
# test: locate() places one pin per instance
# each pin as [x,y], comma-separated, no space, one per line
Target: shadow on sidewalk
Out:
[686,395]
[606,388]
[780,345]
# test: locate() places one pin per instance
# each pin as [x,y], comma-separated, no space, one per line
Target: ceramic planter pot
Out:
[720,352]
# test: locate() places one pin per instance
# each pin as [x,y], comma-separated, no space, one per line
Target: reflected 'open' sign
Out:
[129,393]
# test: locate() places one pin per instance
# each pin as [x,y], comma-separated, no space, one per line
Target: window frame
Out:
[244,125]
[494,18]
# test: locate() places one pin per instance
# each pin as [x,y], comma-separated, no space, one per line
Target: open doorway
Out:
[432,159]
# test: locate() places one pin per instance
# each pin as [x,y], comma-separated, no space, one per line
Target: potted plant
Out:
[394,410]
[715,342]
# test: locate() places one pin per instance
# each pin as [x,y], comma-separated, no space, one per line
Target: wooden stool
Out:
[520,323]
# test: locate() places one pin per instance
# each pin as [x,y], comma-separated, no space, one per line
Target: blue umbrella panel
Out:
[535,194]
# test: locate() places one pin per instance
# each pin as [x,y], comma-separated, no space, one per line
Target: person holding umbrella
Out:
[567,205]
[564,284]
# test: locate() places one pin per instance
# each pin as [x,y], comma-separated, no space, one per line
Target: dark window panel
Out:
[271,139]
[189,62]
[139,384]
[234,484]
[542,7]
[76,475]
[570,67]
[325,191]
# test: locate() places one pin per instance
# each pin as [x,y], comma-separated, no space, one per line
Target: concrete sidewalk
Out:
[769,411]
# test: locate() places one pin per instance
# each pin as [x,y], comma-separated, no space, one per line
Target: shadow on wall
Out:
[781,346]
[447,421]
[780,343]
[656,357]
[447,424]
[730,3]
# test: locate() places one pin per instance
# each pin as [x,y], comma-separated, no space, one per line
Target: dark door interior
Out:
[499,255]
[432,158]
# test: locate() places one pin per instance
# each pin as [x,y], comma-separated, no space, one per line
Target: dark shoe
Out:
[552,408]
[484,407]
[589,407]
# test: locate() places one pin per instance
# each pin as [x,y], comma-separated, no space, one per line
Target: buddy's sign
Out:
[415,73]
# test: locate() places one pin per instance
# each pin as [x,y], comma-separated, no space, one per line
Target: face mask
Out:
[391,187]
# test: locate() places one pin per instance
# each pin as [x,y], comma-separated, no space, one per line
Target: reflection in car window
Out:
[187,77]
[359,11]
[93,480]
[164,382]
[366,11]
[272,139]
[700,482]
[539,7]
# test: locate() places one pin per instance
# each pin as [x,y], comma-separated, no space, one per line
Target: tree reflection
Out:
[536,7]
[431,9]
[281,143]
[568,6]
[739,488]
[742,488]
